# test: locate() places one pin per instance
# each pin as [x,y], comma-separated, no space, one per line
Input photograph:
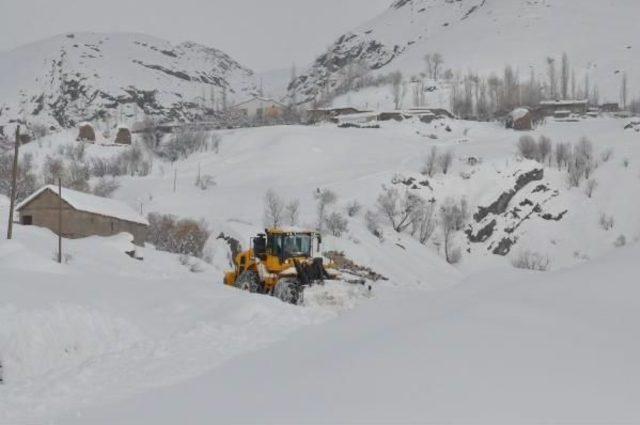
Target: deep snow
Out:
[105,338]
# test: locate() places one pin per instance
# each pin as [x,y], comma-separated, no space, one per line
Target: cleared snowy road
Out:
[500,348]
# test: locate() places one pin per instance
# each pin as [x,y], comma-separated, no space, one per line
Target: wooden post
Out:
[59,220]
[14,183]
[175,179]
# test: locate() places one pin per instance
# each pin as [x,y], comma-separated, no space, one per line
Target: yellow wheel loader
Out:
[281,263]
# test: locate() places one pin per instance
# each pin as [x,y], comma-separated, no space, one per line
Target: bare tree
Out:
[624,90]
[292,212]
[451,217]
[399,210]
[564,76]
[437,60]
[273,209]
[553,78]
[397,89]
[324,198]
[590,187]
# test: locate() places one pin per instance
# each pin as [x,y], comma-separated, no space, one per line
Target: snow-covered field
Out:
[108,339]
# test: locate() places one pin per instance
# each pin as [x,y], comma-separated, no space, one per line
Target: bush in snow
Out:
[424,222]
[353,208]
[186,142]
[590,187]
[38,130]
[453,215]
[529,260]
[105,187]
[184,236]
[372,221]
[625,163]
[204,182]
[563,154]
[273,209]
[53,169]
[606,222]
[527,147]
[26,182]
[620,242]
[336,224]
[606,155]
[399,210]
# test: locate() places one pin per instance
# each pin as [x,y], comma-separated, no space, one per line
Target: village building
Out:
[260,108]
[520,119]
[549,108]
[86,133]
[82,214]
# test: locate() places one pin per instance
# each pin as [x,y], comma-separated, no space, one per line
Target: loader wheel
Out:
[289,291]
[249,281]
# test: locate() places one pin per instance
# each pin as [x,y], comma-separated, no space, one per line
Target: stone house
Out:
[520,119]
[86,133]
[82,214]
[123,136]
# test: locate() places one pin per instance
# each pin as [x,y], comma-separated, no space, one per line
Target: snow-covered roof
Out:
[563,102]
[519,113]
[260,99]
[91,204]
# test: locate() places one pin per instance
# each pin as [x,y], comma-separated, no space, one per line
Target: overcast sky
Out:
[261,34]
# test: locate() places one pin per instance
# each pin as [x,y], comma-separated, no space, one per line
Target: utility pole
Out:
[175,179]
[59,220]
[14,183]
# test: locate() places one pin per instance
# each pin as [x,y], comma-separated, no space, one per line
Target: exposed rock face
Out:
[119,77]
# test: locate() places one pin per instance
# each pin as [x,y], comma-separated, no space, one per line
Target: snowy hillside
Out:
[103,336]
[79,77]
[483,36]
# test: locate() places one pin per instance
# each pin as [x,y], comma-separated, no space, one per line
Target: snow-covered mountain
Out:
[485,35]
[82,76]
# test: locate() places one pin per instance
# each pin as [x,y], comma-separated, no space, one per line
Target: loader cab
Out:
[287,243]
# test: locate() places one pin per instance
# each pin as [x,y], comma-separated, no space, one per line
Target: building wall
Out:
[78,224]
[260,108]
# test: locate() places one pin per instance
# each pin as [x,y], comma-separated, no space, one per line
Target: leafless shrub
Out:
[273,209]
[184,236]
[105,187]
[452,217]
[606,155]
[26,182]
[590,187]
[336,224]
[527,147]
[38,130]
[529,260]
[324,198]
[353,208]
[445,160]
[563,155]
[372,221]
[606,222]
[424,224]
[399,210]
[292,212]
[430,166]
[53,169]
[625,162]
[78,177]
[204,182]
[545,148]
[620,242]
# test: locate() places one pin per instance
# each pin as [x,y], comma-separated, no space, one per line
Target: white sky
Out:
[261,34]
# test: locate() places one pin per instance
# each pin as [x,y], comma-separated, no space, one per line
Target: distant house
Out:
[260,108]
[86,133]
[520,119]
[550,107]
[610,107]
[82,215]
[317,115]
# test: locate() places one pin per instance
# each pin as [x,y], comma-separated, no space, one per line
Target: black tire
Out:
[249,281]
[289,291]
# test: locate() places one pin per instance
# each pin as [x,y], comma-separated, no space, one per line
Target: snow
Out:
[105,338]
[90,203]
[501,348]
